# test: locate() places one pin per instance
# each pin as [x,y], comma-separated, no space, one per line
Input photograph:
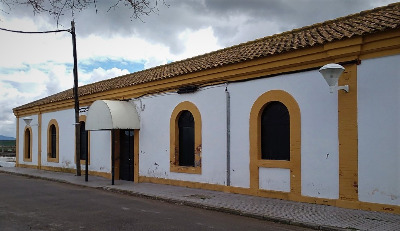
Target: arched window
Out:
[275,132]
[52,141]
[185,135]
[186,139]
[28,144]
[275,137]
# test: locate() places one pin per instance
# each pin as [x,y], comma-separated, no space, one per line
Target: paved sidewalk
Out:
[289,212]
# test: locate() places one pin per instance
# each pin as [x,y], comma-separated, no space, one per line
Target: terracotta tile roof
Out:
[366,22]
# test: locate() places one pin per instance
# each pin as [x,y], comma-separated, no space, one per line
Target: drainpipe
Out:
[228,136]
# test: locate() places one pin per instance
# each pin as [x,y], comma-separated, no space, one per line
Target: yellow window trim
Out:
[49,159]
[39,140]
[26,151]
[174,139]
[136,156]
[295,140]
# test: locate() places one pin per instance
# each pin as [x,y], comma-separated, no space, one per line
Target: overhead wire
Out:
[35,32]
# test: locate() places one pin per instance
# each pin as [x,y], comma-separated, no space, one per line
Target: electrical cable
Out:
[35,32]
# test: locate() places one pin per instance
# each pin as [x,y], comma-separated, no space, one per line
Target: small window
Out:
[275,132]
[84,141]
[28,145]
[53,144]
[185,135]
[186,139]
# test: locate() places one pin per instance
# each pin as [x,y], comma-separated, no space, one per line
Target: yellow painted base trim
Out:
[276,195]
[67,170]
[26,166]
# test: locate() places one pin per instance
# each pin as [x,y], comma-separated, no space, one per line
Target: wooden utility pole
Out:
[77,124]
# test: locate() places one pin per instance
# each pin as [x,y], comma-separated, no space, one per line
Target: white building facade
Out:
[341,148]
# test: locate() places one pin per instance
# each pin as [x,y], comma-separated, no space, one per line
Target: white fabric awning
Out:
[112,114]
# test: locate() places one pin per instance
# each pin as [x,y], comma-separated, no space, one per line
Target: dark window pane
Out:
[186,139]
[84,141]
[275,132]
[28,143]
[53,132]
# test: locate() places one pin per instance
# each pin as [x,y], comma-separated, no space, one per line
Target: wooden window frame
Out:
[26,149]
[49,143]
[174,139]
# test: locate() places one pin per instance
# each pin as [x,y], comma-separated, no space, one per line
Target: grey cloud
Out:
[163,27]
[256,18]
[286,14]
[221,15]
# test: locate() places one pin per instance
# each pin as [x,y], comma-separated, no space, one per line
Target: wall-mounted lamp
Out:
[28,121]
[331,73]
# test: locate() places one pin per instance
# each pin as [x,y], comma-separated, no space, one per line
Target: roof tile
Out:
[371,21]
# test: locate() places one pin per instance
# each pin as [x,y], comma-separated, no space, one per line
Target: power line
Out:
[77,124]
[35,32]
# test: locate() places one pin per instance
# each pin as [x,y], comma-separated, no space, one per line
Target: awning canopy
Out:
[112,114]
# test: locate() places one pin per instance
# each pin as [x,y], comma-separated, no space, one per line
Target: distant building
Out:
[256,118]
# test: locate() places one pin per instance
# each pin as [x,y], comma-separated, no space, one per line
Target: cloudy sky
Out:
[110,43]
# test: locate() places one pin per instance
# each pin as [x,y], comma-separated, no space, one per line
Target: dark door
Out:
[126,155]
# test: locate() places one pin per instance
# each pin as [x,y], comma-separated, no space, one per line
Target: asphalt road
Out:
[33,204]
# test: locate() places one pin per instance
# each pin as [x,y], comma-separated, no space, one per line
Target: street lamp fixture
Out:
[28,121]
[331,73]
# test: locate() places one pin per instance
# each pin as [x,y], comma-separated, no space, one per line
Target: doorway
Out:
[126,155]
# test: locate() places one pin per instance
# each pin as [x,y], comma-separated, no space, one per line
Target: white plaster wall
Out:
[100,143]
[65,120]
[100,151]
[319,137]
[319,130]
[154,155]
[276,179]
[34,144]
[379,130]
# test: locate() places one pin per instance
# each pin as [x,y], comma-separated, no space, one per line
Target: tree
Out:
[58,8]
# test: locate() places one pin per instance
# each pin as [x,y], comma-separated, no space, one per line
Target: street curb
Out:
[47,179]
[226,210]
[188,203]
